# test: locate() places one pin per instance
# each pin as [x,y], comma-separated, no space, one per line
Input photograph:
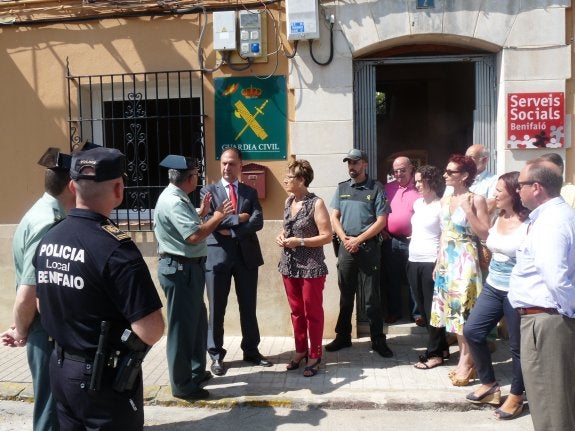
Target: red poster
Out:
[535,120]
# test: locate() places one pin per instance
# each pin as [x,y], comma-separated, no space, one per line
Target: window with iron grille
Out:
[146,116]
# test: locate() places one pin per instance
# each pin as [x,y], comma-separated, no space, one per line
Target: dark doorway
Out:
[425,108]
[424,111]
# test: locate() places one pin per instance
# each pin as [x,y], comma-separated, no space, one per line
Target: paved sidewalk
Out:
[354,377]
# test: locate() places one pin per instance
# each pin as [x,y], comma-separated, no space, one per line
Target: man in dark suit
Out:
[234,250]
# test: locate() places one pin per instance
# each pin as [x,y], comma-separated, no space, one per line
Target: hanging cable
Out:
[293,54]
[203,68]
[227,59]
[328,61]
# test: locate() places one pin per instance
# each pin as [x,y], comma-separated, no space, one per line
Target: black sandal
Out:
[424,364]
[294,365]
[311,370]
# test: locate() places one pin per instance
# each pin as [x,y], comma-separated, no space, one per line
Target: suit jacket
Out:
[242,233]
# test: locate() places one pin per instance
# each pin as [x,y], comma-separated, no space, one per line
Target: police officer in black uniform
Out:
[88,272]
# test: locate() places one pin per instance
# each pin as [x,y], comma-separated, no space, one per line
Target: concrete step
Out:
[401,327]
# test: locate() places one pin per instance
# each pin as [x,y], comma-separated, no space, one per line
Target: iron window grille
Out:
[146,116]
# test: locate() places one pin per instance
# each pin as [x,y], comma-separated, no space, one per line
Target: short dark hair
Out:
[177,176]
[302,169]
[235,150]
[511,181]
[554,158]
[55,181]
[540,172]
[466,165]
[433,178]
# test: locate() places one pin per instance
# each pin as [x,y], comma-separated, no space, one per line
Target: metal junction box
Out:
[302,19]
[224,30]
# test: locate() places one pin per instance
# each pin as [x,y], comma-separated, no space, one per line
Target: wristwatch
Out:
[302,242]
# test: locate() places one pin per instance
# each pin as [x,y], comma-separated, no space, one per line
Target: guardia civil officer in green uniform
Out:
[181,271]
[27,329]
[360,210]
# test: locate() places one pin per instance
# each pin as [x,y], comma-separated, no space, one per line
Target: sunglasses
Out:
[450,172]
[525,183]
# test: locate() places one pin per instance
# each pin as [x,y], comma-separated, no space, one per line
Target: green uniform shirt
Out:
[359,205]
[32,228]
[175,219]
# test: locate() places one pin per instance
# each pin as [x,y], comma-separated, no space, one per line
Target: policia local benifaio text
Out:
[55,275]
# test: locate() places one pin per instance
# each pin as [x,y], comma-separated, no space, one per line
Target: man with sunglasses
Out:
[401,195]
[542,289]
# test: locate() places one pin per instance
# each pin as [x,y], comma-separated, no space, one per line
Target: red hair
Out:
[465,164]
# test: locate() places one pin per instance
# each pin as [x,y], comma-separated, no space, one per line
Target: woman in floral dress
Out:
[458,280]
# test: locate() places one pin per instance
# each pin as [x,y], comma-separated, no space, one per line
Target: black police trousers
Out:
[80,408]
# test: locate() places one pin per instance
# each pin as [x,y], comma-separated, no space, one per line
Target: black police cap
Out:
[89,146]
[107,164]
[55,160]
[180,163]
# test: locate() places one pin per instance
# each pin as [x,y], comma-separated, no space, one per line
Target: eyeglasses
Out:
[289,177]
[450,172]
[525,183]
[399,171]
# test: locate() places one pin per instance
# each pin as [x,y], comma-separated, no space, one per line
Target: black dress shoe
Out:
[200,394]
[258,359]
[218,367]
[205,377]
[380,346]
[337,344]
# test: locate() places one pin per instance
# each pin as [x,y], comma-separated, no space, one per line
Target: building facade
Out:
[421,78]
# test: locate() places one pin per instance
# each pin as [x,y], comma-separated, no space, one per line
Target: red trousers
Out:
[305,297]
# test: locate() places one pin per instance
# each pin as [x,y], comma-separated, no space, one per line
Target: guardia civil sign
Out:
[251,115]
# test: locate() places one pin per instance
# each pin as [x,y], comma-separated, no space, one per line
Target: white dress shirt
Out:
[484,185]
[544,275]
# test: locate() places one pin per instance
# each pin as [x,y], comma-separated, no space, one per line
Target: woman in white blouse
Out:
[504,238]
[426,230]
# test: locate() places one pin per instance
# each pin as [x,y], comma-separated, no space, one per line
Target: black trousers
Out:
[420,277]
[81,409]
[219,276]
[352,275]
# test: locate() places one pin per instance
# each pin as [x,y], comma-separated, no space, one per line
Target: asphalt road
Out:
[15,415]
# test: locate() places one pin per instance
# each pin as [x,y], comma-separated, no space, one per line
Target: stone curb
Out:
[161,396]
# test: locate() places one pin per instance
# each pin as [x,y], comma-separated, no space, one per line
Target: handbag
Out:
[483,254]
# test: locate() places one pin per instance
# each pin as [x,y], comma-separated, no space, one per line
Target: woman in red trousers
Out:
[306,230]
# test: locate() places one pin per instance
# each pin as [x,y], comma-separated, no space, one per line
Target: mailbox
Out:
[255,175]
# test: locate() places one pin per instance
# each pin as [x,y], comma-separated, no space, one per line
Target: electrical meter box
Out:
[224,30]
[302,19]
[250,30]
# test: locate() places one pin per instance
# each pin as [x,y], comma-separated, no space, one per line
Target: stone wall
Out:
[273,310]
